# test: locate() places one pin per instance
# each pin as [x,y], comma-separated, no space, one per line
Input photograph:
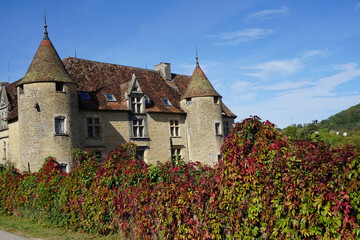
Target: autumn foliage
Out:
[266,187]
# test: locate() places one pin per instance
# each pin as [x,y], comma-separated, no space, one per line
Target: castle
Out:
[72,103]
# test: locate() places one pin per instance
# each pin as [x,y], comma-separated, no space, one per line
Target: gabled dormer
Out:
[135,96]
[5,106]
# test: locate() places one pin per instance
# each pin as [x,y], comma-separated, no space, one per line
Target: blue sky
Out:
[286,61]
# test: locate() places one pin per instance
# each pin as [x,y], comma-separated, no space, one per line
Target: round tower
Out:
[47,110]
[204,118]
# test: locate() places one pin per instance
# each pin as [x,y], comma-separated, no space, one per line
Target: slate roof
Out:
[46,66]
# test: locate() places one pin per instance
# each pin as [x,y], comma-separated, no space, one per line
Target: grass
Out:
[43,230]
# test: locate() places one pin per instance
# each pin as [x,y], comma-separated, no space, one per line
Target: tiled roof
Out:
[12,96]
[98,78]
[46,66]
[199,86]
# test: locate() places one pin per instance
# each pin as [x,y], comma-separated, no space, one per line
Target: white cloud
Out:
[268,14]
[269,69]
[237,37]
[300,102]
[286,85]
[311,53]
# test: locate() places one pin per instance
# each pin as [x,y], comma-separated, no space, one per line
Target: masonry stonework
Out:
[60,105]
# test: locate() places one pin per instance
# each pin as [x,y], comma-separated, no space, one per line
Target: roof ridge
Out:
[114,64]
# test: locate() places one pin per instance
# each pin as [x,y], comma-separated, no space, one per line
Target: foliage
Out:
[265,187]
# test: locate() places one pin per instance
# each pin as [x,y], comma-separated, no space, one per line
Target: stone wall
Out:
[38,106]
[202,116]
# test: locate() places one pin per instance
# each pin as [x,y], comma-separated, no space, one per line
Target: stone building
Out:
[72,103]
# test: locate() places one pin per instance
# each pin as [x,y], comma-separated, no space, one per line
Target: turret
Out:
[204,118]
[47,108]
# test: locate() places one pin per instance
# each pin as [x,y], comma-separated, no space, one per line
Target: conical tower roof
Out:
[199,85]
[46,65]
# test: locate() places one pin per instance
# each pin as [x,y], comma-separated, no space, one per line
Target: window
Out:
[217,129]
[188,101]
[63,167]
[93,127]
[110,97]
[174,128]
[84,95]
[4,151]
[166,102]
[136,103]
[226,129]
[217,100]
[176,153]
[138,127]
[59,87]
[21,88]
[60,125]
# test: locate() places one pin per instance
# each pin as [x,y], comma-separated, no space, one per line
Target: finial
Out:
[197,59]
[75,52]
[46,37]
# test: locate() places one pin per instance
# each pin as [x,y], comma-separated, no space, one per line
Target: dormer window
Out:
[84,95]
[166,102]
[59,87]
[136,104]
[110,97]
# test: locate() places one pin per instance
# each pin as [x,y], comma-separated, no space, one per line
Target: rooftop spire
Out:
[197,59]
[46,37]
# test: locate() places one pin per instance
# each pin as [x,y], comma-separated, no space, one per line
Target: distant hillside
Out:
[347,120]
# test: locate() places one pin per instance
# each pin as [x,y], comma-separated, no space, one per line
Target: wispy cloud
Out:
[311,53]
[357,5]
[279,68]
[237,37]
[268,13]
[285,85]
[308,101]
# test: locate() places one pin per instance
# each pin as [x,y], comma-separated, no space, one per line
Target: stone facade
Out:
[76,103]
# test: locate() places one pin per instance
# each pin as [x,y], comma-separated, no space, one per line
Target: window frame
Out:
[218,129]
[94,125]
[174,128]
[60,125]
[82,97]
[166,102]
[60,87]
[110,97]
[136,104]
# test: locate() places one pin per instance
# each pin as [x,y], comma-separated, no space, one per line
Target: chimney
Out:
[164,69]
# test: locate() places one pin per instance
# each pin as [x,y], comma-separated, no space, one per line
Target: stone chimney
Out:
[164,69]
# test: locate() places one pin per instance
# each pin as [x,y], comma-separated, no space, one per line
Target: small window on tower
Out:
[110,97]
[188,101]
[60,125]
[217,100]
[217,129]
[21,89]
[59,87]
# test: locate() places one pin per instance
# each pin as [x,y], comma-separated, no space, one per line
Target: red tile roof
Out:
[98,78]
[199,85]
[46,66]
